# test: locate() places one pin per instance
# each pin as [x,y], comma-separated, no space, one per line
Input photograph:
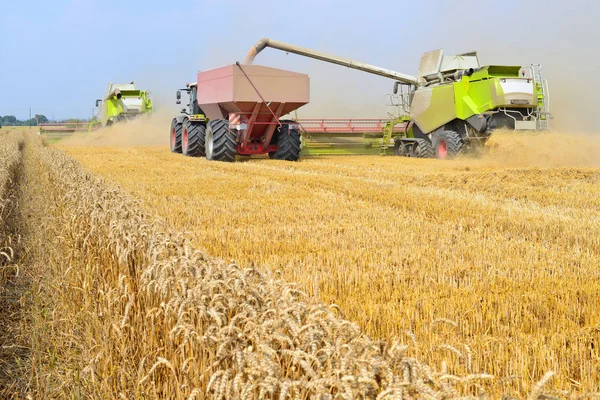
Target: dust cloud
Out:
[551,149]
[144,131]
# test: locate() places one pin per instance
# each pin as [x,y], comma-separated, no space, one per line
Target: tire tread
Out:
[196,139]
[176,148]
[224,141]
[288,143]
[454,143]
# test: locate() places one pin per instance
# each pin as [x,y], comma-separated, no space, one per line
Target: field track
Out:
[492,268]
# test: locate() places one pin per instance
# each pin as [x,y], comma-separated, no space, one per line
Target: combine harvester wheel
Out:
[221,143]
[175,135]
[447,144]
[399,148]
[288,143]
[422,149]
[193,140]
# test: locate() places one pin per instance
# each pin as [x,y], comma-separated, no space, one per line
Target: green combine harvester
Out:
[453,105]
[122,102]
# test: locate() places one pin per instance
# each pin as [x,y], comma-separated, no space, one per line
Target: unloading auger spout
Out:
[372,69]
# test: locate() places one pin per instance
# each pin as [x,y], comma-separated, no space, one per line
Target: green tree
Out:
[41,119]
[9,120]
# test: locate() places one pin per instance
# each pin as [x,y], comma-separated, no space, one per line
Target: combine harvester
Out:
[123,102]
[452,105]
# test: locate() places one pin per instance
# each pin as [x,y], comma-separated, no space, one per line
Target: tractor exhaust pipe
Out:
[371,69]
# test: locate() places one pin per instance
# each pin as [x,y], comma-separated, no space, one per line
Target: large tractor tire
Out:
[221,143]
[176,130]
[446,144]
[288,143]
[193,139]
[422,149]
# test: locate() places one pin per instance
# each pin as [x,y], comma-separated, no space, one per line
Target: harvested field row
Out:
[11,279]
[507,256]
[122,306]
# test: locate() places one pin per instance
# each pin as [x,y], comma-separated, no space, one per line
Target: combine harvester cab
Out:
[123,102]
[237,110]
[452,105]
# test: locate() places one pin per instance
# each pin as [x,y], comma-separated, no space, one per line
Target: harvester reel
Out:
[221,143]
[288,143]
[176,131]
[193,139]
[446,144]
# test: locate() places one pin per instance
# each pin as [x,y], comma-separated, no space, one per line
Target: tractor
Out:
[238,110]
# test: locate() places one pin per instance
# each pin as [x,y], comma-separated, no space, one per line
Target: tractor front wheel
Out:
[288,143]
[446,144]
[221,143]
[193,139]
[175,135]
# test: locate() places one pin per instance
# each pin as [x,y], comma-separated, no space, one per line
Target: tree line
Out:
[11,120]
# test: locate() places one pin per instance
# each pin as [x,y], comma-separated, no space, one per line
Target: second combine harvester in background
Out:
[452,105]
[123,102]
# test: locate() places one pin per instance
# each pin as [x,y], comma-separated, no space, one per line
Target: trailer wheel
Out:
[221,143]
[193,139]
[422,149]
[446,144]
[175,136]
[288,143]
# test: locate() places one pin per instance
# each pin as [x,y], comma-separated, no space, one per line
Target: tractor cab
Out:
[193,110]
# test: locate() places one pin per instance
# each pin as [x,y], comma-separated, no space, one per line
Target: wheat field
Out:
[131,272]
[102,300]
[489,265]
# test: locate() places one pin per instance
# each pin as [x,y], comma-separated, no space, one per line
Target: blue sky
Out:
[58,56]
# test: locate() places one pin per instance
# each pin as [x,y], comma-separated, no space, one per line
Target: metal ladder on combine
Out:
[543,110]
[387,138]
[398,106]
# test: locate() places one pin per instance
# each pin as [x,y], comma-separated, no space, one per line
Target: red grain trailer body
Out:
[237,110]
